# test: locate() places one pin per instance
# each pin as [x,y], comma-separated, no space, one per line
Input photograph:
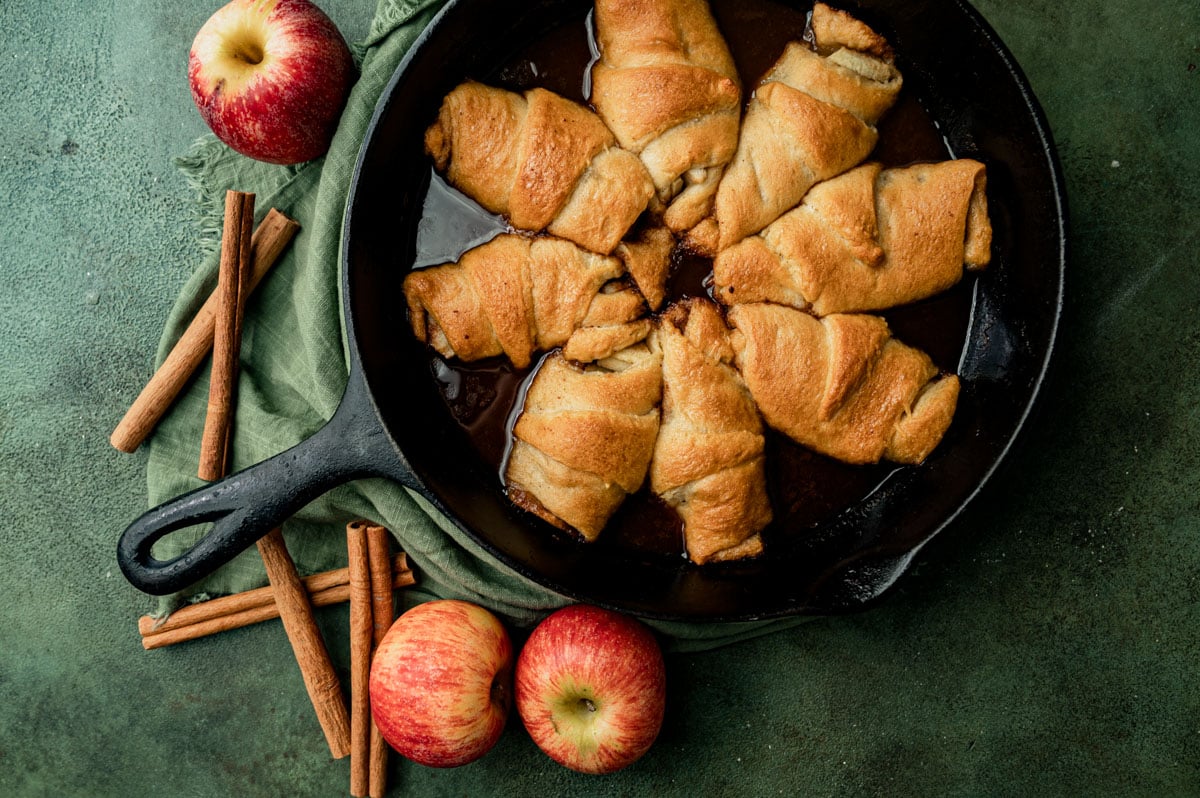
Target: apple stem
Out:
[249,52]
[587,702]
[499,694]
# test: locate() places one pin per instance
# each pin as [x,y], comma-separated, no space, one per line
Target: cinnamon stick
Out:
[227,339]
[339,594]
[295,610]
[383,611]
[379,542]
[252,606]
[361,637]
[273,235]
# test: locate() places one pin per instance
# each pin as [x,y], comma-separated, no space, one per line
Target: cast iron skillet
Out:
[393,423]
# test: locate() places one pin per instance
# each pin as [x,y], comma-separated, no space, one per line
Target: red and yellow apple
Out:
[441,683]
[270,78]
[591,688]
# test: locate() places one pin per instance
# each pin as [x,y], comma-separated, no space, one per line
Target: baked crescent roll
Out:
[584,438]
[708,460]
[667,86]
[813,117]
[514,296]
[869,239]
[541,160]
[842,385]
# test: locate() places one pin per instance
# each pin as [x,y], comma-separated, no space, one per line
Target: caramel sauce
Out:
[485,398]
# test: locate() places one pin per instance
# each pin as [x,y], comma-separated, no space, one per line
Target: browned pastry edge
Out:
[833,27]
[528,502]
[647,258]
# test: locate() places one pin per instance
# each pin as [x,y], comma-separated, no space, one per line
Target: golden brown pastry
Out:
[812,117]
[708,460]
[584,438]
[541,160]
[614,321]
[514,296]
[648,261]
[869,239]
[667,86]
[842,385]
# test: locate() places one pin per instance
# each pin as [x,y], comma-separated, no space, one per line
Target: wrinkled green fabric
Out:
[294,370]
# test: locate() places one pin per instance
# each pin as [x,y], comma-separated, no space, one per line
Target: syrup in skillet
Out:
[485,398]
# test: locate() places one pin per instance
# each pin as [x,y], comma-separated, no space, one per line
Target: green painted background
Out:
[1045,645]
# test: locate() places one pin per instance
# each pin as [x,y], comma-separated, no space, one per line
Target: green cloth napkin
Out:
[294,368]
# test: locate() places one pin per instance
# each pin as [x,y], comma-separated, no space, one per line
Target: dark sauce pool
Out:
[806,489]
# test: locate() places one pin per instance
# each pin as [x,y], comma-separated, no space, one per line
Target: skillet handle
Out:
[247,505]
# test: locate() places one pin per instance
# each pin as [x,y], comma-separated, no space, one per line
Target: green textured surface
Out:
[1047,644]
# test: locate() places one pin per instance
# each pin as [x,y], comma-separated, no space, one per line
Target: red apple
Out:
[591,688]
[270,78]
[441,683]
